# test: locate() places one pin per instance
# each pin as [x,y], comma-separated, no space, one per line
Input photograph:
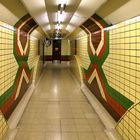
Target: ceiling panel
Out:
[132,7]
[52,9]
[75,13]
[7,17]
[84,11]
[37,10]
[44,12]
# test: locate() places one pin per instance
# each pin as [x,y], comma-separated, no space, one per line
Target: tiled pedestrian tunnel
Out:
[59,110]
[69,70]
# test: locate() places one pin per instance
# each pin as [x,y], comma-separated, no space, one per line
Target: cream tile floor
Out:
[58,110]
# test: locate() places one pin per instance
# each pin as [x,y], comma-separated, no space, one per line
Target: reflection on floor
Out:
[58,110]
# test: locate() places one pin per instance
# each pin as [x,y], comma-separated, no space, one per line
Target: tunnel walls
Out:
[109,59]
[19,59]
[122,70]
[105,63]
[93,73]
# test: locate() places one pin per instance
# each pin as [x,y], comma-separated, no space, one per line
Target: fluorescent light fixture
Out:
[59,17]
[58,26]
[61,5]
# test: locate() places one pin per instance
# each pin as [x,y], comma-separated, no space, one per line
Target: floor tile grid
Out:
[34,121]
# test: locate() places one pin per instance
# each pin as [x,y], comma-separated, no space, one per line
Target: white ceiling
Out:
[76,12]
[126,11]
[44,12]
[7,17]
[37,10]
[84,11]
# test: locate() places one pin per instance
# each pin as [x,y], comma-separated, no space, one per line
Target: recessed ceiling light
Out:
[59,17]
[58,26]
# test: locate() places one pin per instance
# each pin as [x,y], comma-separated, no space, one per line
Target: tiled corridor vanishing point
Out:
[58,110]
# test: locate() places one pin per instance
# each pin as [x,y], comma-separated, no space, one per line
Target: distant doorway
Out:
[57,50]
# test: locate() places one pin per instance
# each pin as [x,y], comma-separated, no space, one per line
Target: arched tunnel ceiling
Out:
[76,12]
[119,10]
[11,11]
